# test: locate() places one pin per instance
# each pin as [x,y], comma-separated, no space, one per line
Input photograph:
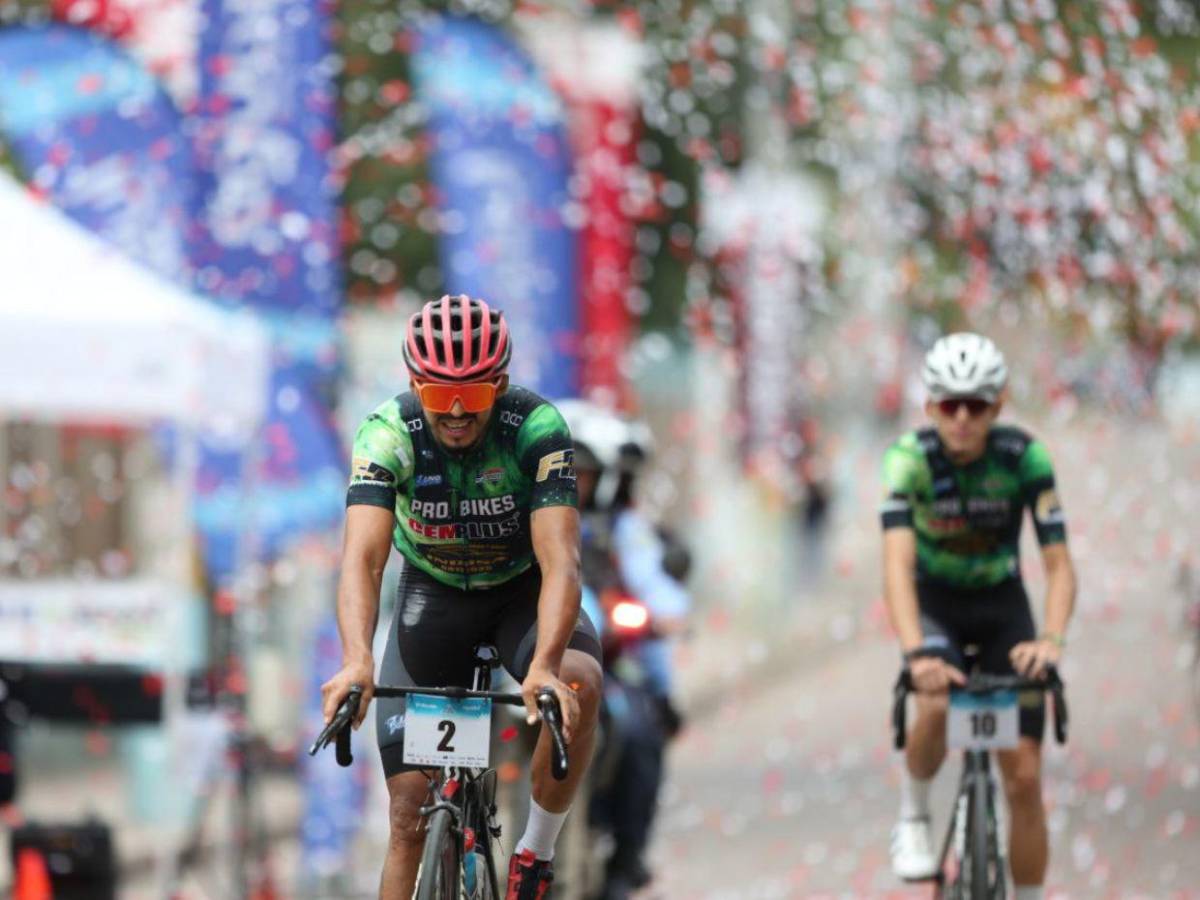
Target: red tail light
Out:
[629,615]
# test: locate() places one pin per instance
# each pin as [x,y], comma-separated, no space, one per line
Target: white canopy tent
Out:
[87,335]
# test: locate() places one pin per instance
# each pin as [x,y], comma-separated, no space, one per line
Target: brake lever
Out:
[899,699]
[339,728]
[548,704]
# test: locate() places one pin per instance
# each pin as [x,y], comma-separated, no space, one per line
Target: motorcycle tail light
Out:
[629,615]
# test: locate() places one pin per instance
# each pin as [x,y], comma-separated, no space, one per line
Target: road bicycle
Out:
[982,717]
[449,729]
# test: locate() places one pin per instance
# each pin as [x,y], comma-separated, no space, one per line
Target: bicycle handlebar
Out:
[339,727]
[982,683]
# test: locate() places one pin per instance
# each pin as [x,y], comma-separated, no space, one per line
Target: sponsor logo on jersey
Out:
[490,476]
[427,480]
[949,508]
[988,506]
[364,470]
[487,506]
[417,424]
[431,509]
[560,464]
[395,723]
[469,507]
[1047,509]
[472,531]
[957,523]
[511,418]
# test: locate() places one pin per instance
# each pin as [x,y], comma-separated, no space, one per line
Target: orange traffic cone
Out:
[33,879]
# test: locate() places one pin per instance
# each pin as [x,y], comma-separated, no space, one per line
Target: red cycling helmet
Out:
[457,339]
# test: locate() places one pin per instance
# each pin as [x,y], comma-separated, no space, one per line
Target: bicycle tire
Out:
[440,874]
[977,837]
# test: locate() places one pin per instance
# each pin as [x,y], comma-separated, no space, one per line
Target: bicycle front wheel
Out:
[440,875]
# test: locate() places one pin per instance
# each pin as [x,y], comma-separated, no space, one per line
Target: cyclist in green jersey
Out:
[956,497]
[472,480]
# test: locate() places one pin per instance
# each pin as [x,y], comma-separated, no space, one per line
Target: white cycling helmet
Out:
[606,441]
[964,364]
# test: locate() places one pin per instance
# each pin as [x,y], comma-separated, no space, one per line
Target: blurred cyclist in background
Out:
[626,555]
[956,498]
[473,481]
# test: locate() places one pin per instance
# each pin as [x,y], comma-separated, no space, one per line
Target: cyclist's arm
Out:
[900,585]
[1060,588]
[1037,476]
[547,459]
[382,460]
[365,550]
[555,534]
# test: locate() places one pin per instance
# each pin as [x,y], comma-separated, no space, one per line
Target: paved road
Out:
[789,788]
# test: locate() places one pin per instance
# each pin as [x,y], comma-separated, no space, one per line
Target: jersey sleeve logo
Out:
[367,472]
[1047,510]
[560,464]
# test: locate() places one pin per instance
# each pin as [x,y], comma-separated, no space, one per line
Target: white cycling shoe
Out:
[912,850]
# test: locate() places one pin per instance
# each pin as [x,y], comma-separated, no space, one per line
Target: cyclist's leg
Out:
[430,642]
[1029,848]
[516,637]
[912,851]
[1028,840]
[638,778]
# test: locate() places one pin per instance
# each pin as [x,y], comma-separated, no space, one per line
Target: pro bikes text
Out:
[437,511]
[947,515]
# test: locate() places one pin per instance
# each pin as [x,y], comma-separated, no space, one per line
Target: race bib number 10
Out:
[440,731]
[982,721]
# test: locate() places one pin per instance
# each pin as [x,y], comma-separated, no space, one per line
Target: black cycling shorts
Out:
[433,635]
[995,620]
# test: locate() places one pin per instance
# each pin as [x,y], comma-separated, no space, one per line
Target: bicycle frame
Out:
[976,766]
[464,793]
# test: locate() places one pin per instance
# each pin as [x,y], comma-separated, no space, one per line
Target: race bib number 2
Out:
[440,731]
[982,721]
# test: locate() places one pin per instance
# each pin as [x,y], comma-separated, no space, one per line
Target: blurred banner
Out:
[762,223]
[265,236]
[501,164]
[605,134]
[595,67]
[95,132]
[263,129]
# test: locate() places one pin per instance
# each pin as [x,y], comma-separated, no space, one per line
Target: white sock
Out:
[541,831]
[1027,892]
[914,796]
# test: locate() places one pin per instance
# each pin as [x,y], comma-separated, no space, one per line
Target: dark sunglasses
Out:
[975,406]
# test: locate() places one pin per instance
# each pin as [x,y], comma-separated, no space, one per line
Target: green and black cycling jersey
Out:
[463,517]
[968,518]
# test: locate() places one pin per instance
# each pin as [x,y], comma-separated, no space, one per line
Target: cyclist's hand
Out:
[541,676]
[933,675]
[334,691]
[1029,658]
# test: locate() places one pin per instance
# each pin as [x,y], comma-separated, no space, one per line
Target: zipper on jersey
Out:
[456,468]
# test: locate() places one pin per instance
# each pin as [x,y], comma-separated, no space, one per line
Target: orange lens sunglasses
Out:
[475,396]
